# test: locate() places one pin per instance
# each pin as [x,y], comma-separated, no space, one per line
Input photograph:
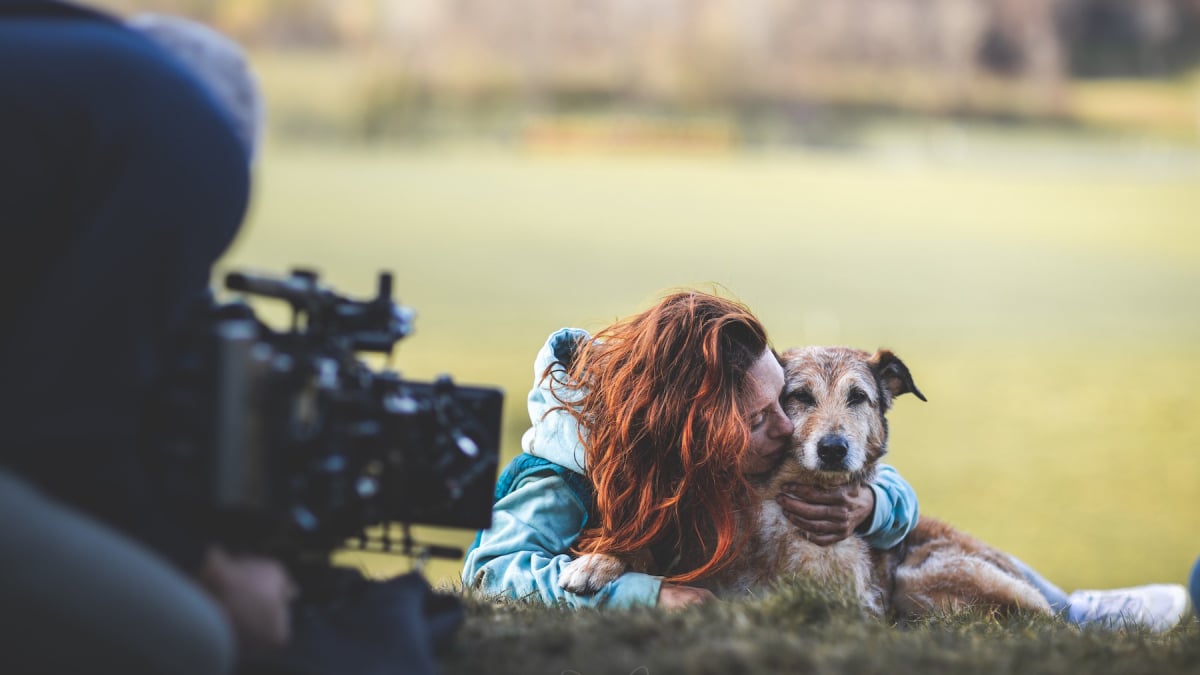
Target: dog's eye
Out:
[857,397]
[803,397]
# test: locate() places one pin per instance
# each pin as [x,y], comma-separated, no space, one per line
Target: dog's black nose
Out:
[831,450]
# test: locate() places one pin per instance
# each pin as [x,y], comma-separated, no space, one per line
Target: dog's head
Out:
[838,398]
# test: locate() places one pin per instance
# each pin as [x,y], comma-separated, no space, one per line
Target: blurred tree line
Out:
[1002,58]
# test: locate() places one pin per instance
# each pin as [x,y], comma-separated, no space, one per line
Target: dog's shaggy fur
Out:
[838,398]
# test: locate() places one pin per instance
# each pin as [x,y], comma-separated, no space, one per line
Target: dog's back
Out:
[940,568]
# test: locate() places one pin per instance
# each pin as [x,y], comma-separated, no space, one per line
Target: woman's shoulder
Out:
[526,467]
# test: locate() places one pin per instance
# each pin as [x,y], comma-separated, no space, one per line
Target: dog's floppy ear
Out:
[893,375]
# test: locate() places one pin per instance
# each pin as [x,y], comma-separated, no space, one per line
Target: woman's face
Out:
[770,428]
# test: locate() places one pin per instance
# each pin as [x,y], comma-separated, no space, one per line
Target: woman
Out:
[680,409]
[646,438]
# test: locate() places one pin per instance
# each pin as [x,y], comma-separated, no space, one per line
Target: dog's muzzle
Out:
[831,452]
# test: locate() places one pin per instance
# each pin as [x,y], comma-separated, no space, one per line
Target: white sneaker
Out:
[1156,607]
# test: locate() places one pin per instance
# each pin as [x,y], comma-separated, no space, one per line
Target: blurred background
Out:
[1004,192]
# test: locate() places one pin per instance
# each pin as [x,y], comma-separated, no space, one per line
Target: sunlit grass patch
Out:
[1169,108]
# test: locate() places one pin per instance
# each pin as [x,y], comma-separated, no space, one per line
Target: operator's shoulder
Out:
[106,60]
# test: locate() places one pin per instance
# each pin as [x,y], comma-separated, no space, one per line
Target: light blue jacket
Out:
[537,520]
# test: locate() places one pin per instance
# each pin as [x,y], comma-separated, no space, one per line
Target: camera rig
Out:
[295,446]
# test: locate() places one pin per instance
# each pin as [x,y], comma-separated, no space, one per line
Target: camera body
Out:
[293,443]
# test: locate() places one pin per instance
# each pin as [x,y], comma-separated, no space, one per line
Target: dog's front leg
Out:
[590,572]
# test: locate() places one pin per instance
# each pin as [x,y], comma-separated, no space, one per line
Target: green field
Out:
[1046,299]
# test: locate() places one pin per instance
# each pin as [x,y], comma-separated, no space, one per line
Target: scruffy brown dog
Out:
[838,398]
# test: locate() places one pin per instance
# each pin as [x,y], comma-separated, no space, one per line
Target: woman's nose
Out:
[783,425]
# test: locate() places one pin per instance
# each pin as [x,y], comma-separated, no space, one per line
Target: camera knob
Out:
[304,519]
[305,273]
[366,487]
[466,445]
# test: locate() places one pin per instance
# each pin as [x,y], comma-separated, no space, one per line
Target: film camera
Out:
[297,447]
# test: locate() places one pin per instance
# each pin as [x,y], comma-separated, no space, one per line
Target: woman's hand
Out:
[826,516]
[675,596]
[254,592]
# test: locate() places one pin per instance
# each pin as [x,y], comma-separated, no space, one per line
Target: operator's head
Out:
[218,63]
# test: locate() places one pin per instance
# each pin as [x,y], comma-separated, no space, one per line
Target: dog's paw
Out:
[590,572]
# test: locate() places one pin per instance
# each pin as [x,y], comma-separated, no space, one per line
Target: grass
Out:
[1047,308]
[1166,107]
[800,629]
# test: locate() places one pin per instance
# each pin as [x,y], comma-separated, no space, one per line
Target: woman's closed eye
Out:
[757,420]
[804,397]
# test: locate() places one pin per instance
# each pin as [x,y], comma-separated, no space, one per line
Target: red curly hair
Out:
[657,397]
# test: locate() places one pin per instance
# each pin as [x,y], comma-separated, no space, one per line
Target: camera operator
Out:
[124,175]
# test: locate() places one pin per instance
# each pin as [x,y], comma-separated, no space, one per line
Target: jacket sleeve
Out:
[522,555]
[896,510]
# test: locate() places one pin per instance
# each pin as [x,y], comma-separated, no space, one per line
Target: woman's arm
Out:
[883,514]
[896,511]
[525,550]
